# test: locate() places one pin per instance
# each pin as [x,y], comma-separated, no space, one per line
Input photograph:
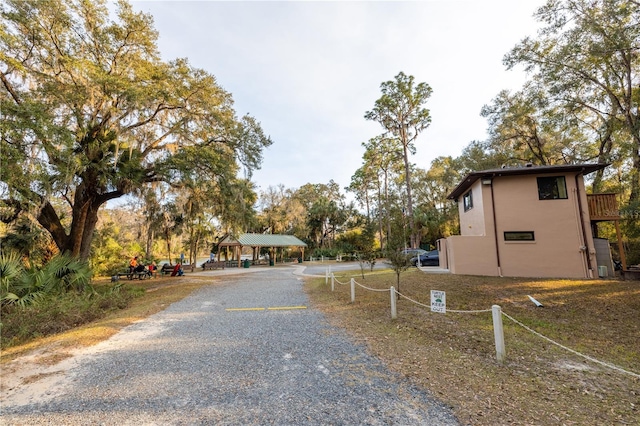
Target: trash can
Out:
[270,262]
[299,260]
[246,263]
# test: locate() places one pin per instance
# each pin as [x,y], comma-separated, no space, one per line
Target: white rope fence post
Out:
[498,332]
[394,312]
[353,290]
[333,281]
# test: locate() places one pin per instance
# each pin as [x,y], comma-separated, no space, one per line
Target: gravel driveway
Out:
[245,351]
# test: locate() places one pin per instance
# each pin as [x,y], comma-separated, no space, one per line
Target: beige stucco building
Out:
[530,221]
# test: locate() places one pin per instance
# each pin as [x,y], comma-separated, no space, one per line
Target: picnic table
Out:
[141,275]
[167,269]
[212,264]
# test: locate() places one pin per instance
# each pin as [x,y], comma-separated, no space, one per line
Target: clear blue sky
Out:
[308,71]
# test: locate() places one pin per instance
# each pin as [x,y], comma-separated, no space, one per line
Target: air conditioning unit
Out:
[602,271]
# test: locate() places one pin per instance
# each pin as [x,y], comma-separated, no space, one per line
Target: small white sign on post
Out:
[438,301]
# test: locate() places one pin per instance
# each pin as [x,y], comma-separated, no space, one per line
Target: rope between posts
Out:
[448,310]
[605,364]
[336,280]
[587,357]
[476,311]
[372,289]
[411,300]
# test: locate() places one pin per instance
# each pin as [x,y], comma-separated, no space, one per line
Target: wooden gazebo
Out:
[256,241]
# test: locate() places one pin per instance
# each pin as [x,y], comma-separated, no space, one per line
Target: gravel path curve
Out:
[221,356]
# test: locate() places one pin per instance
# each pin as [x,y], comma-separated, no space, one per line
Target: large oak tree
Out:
[587,58]
[90,113]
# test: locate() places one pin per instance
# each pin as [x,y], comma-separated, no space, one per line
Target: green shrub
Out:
[326,252]
[26,286]
[56,313]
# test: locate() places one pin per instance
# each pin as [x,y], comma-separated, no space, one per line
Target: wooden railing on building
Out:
[603,207]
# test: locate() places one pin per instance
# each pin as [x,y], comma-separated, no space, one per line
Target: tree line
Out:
[580,104]
[91,114]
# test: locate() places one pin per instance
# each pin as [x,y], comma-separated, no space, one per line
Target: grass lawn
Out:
[453,355]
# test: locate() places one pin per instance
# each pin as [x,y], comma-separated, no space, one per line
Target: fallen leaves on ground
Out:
[452,355]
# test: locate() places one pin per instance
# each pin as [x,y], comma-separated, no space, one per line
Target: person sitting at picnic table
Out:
[133,264]
[152,269]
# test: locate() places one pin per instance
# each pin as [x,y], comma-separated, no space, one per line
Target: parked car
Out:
[428,258]
[413,252]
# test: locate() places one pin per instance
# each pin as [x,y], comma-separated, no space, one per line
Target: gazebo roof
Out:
[263,240]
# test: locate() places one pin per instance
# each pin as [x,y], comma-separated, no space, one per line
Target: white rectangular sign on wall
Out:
[438,301]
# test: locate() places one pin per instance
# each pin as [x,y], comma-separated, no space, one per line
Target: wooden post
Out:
[498,332]
[394,312]
[623,258]
[353,290]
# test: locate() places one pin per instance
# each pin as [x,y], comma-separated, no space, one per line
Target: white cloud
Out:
[308,71]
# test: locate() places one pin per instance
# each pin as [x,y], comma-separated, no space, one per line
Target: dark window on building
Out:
[467,201]
[552,188]
[519,236]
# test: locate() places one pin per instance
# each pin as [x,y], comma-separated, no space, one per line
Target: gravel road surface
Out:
[246,350]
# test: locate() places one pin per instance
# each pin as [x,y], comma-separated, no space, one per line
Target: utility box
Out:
[602,271]
[603,257]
